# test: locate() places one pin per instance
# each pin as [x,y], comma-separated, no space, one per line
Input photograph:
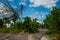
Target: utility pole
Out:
[22,4]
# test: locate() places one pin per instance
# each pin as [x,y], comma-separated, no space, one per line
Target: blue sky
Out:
[35,8]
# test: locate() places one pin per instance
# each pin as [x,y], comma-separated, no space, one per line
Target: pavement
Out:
[36,36]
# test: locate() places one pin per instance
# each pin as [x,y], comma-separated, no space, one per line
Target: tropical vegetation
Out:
[52,22]
[28,25]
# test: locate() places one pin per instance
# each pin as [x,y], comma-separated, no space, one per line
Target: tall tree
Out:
[31,26]
[52,21]
[15,13]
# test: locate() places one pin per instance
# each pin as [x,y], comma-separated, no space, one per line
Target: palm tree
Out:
[35,19]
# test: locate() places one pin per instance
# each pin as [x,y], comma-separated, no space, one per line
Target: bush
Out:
[33,27]
[26,26]
[4,30]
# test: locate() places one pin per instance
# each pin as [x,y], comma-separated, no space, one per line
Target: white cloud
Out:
[38,15]
[1,8]
[40,22]
[23,3]
[14,6]
[10,0]
[24,0]
[41,16]
[45,3]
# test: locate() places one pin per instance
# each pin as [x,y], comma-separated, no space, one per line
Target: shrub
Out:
[33,27]
[26,26]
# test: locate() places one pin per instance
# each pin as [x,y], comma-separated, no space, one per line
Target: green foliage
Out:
[15,16]
[33,27]
[1,22]
[30,25]
[5,29]
[52,21]
[27,25]
[6,20]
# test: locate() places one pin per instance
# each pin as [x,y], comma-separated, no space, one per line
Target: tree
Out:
[15,13]
[1,23]
[14,17]
[6,20]
[30,25]
[34,26]
[35,19]
[26,23]
[52,21]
